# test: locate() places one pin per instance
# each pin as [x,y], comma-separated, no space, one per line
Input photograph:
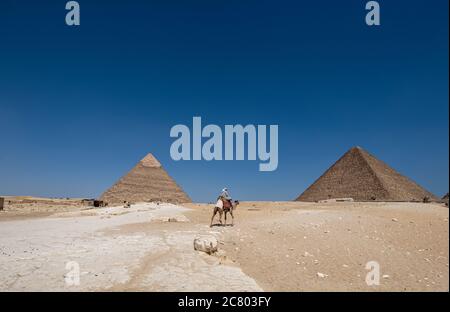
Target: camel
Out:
[224,207]
[230,210]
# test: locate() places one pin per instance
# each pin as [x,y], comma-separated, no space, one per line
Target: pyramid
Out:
[147,181]
[361,176]
[445,198]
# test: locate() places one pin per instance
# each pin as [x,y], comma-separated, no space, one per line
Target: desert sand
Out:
[273,246]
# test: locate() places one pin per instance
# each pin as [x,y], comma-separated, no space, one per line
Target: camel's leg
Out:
[225,217]
[220,213]
[232,217]
[212,218]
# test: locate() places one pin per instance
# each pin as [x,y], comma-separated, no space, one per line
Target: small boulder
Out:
[207,244]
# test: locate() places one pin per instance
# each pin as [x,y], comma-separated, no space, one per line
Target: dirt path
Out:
[115,249]
[325,247]
[274,246]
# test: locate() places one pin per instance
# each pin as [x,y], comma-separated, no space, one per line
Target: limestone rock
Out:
[207,244]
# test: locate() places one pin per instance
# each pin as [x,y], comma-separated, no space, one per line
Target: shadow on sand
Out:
[219,224]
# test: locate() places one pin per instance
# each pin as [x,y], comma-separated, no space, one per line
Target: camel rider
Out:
[225,195]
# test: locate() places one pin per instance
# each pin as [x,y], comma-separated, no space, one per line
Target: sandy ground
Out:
[273,246]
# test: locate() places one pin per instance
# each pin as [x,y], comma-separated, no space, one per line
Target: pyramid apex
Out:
[357,149]
[150,161]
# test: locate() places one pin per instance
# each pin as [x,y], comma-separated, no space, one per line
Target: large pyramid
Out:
[445,198]
[361,176]
[146,182]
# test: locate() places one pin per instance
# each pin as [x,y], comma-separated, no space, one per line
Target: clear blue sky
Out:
[79,106]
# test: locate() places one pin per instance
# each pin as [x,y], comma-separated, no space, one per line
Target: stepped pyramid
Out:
[146,182]
[361,176]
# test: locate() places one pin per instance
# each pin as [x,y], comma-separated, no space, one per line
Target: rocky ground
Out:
[273,246]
